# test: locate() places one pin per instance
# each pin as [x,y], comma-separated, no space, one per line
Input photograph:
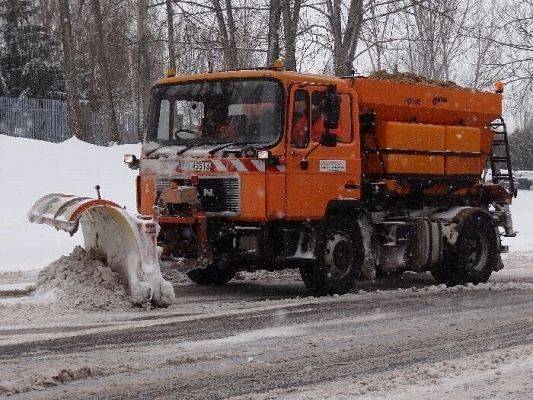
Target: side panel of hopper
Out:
[427,104]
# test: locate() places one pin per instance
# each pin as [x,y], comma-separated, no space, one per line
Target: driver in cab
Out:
[215,124]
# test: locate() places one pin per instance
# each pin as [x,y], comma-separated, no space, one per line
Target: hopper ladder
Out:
[500,157]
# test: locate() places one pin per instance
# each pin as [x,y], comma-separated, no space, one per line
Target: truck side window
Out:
[300,119]
[344,131]
[317,116]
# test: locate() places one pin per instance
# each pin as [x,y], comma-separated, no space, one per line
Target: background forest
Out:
[103,55]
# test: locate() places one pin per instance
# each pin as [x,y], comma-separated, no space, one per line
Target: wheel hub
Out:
[476,251]
[338,256]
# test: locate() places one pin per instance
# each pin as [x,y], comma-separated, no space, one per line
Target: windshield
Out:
[211,112]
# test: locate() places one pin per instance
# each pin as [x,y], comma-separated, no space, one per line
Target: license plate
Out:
[202,166]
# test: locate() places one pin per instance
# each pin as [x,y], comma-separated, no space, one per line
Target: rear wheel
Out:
[339,259]
[474,256]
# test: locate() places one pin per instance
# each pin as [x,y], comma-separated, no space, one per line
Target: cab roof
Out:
[285,77]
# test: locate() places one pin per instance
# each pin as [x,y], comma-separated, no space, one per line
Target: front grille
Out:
[217,195]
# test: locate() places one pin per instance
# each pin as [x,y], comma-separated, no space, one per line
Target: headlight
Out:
[129,158]
[131,161]
[263,154]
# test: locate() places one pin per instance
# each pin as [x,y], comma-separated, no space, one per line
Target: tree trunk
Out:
[171,36]
[227,33]
[143,66]
[344,41]
[291,21]
[103,66]
[273,32]
[71,77]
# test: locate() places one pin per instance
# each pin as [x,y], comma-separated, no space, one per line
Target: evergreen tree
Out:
[29,66]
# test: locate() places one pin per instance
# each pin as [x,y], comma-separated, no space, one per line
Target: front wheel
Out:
[216,274]
[339,257]
[474,256]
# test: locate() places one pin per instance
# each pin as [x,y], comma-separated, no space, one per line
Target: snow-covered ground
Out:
[30,169]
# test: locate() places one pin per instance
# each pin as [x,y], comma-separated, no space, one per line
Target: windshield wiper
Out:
[191,147]
[160,147]
[213,151]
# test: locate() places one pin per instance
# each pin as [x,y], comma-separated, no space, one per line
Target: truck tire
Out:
[216,274]
[339,256]
[474,256]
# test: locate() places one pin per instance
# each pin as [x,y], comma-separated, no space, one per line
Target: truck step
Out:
[499,159]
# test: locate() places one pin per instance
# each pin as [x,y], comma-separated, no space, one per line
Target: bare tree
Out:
[291,21]
[482,32]
[227,31]
[274,17]
[104,70]
[344,40]
[379,32]
[171,36]
[434,32]
[143,65]
[72,83]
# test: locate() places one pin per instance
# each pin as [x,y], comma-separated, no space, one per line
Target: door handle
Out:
[351,186]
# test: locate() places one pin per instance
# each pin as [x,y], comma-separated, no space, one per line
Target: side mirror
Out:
[328,139]
[332,108]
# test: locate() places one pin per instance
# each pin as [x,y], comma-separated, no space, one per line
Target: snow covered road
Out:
[265,340]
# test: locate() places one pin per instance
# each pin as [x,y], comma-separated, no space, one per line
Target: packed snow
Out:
[30,169]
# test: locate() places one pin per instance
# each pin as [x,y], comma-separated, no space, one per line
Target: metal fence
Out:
[45,119]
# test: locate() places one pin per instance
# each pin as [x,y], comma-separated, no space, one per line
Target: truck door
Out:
[317,174]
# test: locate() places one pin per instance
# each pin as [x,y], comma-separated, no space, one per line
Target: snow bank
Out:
[30,169]
[83,281]
[80,281]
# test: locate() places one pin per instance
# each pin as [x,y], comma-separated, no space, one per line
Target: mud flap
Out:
[129,244]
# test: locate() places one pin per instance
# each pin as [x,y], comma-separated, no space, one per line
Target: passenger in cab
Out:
[300,124]
[318,128]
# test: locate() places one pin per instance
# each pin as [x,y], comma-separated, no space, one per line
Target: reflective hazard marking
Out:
[228,165]
[332,165]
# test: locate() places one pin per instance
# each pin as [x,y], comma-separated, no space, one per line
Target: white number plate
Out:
[202,166]
[332,165]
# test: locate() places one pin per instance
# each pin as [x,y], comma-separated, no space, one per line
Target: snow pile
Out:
[29,169]
[83,281]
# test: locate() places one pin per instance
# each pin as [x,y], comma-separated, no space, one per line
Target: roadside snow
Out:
[522,212]
[30,169]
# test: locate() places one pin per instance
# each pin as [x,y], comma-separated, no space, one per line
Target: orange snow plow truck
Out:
[342,178]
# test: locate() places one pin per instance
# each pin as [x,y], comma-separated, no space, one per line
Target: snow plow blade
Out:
[129,244]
